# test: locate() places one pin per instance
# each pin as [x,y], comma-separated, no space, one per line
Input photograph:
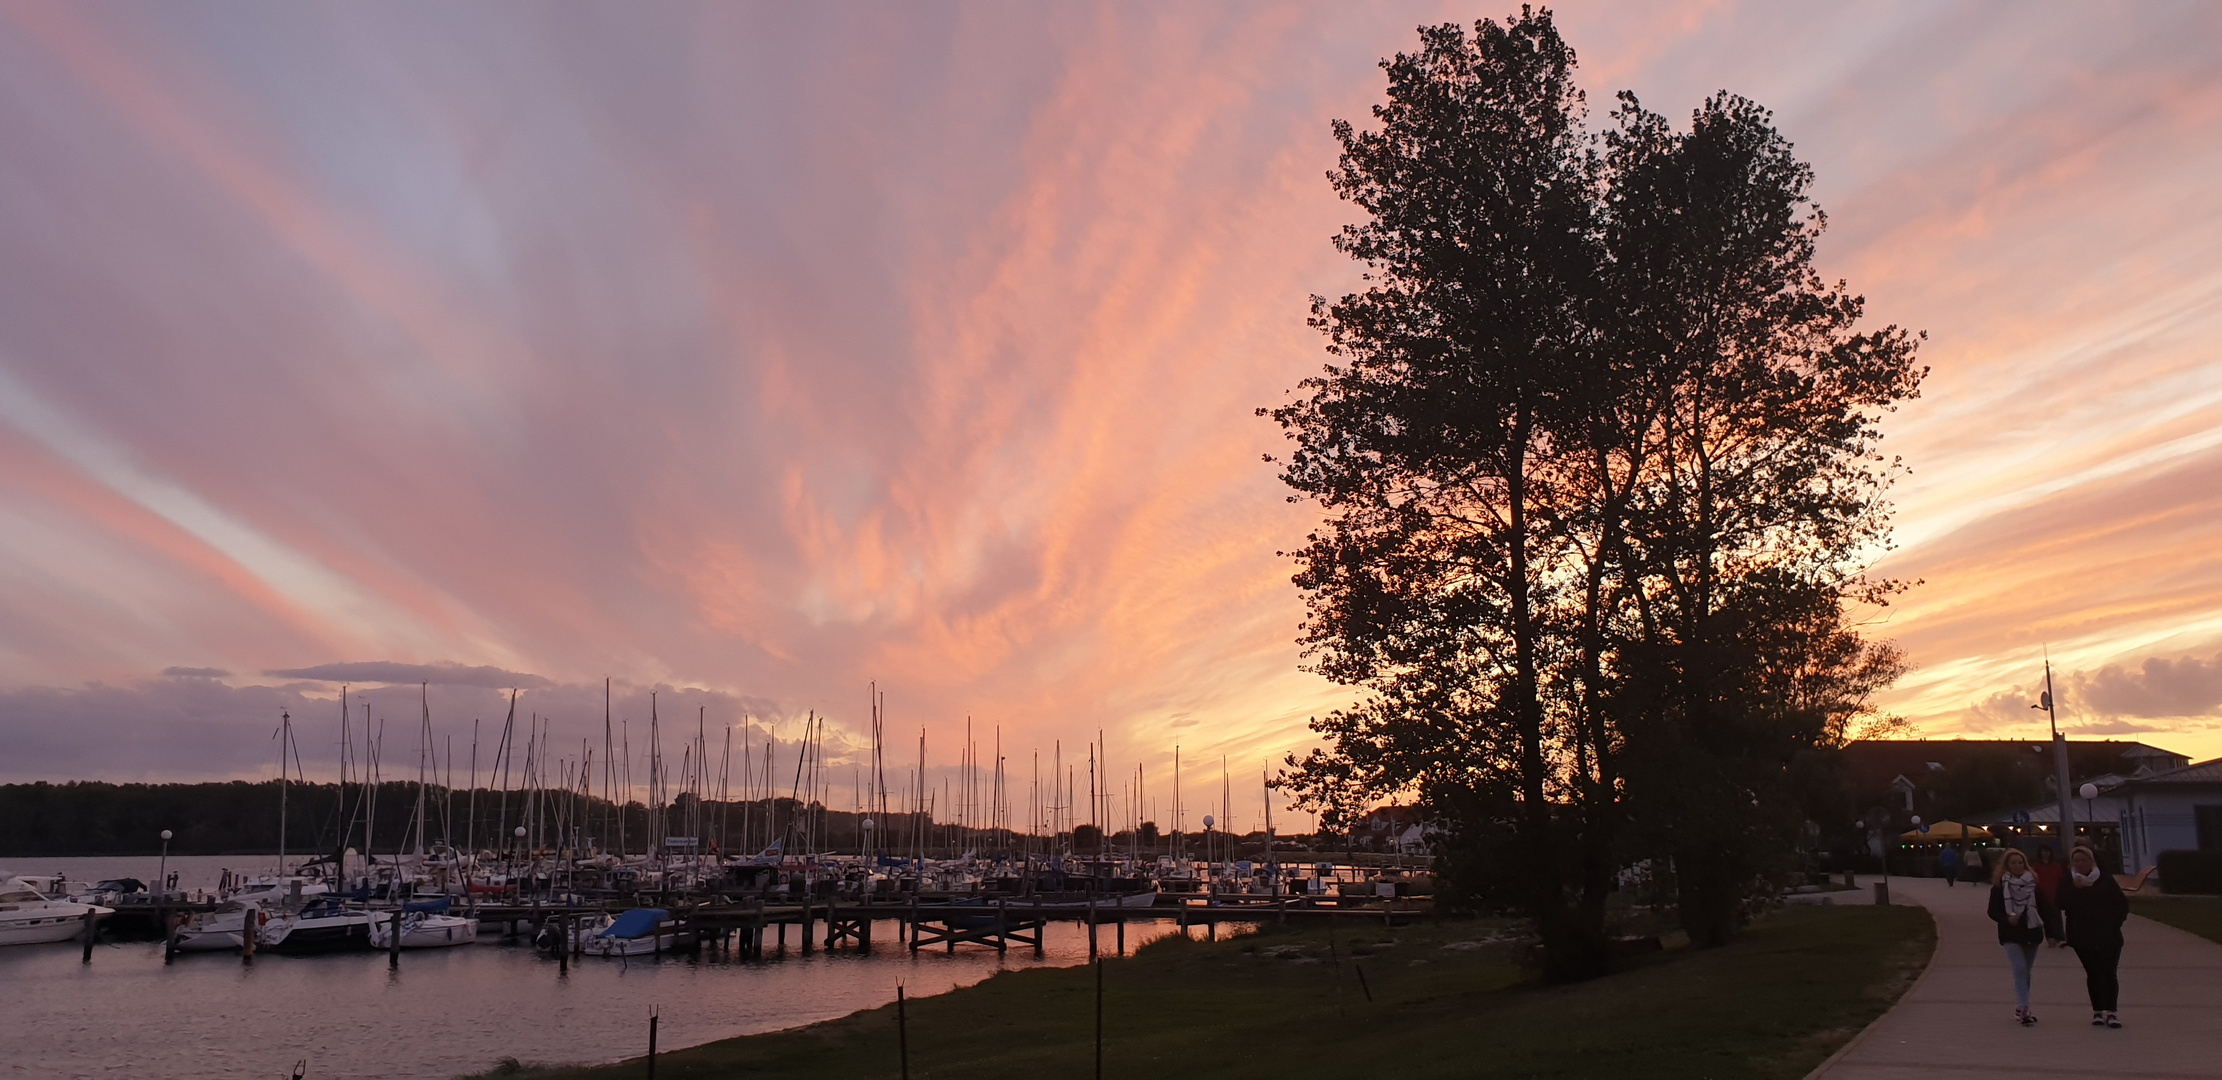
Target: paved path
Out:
[1959,1019]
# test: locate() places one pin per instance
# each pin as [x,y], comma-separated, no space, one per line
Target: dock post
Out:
[563,948]
[248,931]
[1091,931]
[1002,926]
[782,937]
[902,1031]
[90,923]
[1122,934]
[652,1046]
[169,940]
[809,912]
[393,948]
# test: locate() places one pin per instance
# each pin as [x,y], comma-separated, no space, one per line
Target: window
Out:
[2210,826]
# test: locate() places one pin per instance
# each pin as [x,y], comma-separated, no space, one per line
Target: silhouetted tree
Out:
[1596,456]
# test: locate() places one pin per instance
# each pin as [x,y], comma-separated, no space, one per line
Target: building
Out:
[1972,779]
[2178,809]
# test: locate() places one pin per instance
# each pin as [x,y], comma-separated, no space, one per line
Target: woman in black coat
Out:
[2094,908]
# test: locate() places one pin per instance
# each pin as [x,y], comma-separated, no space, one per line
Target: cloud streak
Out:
[778,351]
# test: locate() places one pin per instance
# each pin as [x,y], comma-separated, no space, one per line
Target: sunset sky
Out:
[757,352]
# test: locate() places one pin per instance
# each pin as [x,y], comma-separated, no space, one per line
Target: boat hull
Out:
[434,933]
[56,922]
[312,937]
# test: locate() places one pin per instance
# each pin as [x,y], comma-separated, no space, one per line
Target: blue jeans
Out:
[2022,957]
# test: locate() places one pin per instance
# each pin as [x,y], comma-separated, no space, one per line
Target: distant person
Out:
[1972,864]
[2048,874]
[1948,863]
[2093,910]
[2025,918]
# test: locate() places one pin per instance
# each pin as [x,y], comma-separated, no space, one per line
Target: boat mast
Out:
[285,735]
[424,732]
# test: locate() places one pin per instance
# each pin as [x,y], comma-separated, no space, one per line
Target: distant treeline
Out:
[94,818]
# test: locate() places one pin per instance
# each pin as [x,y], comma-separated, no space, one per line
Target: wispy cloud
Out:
[776,351]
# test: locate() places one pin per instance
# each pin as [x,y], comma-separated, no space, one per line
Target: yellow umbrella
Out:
[1945,830]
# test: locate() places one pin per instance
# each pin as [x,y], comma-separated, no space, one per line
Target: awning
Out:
[1945,830]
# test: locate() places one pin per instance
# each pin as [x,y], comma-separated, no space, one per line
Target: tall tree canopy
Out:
[1596,455]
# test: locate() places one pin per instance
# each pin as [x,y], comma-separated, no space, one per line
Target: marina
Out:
[712,964]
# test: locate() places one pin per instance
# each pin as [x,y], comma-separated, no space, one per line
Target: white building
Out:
[2173,810]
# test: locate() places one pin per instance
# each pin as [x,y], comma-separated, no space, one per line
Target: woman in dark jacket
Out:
[2094,909]
[2025,918]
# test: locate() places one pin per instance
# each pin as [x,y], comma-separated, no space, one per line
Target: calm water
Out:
[446,1012]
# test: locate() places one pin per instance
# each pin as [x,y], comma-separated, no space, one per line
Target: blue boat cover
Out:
[639,922]
[438,907]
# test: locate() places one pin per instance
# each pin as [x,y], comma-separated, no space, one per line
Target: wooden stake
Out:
[902,1031]
[393,947]
[90,916]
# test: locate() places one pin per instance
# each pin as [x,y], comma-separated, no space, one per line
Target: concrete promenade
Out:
[1959,1019]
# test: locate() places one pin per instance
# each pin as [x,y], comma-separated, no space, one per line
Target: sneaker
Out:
[2028,1018]
[2113,1021]
[2098,1019]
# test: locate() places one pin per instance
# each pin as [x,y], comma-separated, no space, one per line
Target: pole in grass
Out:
[902,1031]
[1099,1018]
[652,1018]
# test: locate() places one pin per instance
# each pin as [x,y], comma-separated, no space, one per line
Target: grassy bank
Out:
[2201,915]
[1447,1000]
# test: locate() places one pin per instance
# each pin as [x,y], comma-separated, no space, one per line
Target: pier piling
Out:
[393,946]
[902,1031]
[90,924]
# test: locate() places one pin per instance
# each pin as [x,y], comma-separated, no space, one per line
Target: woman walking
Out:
[2048,874]
[2024,915]
[2093,908]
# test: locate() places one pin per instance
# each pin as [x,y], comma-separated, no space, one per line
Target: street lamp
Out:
[2090,791]
[162,876]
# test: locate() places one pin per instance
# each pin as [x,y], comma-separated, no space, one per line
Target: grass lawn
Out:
[1448,1000]
[2201,915]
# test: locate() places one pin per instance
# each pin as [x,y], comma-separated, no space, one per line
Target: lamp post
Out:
[2090,791]
[1209,821]
[162,876]
[2065,838]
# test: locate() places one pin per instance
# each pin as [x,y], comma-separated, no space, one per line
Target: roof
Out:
[2205,772]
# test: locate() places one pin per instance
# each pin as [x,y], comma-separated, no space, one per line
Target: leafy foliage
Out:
[1596,452]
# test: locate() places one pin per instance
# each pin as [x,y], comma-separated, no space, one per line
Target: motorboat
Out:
[27,917]
[324,925]
[424,926]
[218,930]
